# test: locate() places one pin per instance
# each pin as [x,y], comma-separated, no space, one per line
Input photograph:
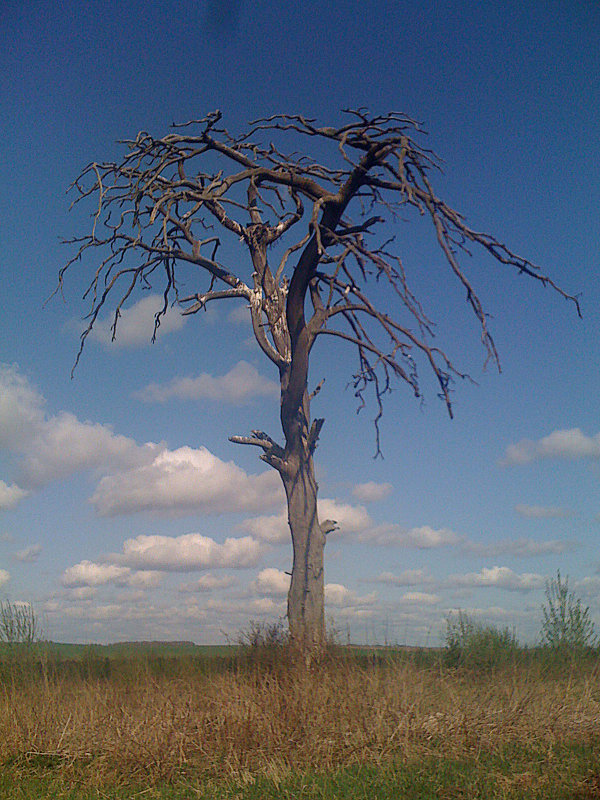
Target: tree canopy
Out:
[313,211]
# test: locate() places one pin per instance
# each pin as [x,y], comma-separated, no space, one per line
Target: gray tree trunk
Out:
[306,607]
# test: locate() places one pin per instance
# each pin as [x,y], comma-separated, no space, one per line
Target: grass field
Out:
[174,721]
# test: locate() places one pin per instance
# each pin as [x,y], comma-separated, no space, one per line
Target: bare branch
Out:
[157,208]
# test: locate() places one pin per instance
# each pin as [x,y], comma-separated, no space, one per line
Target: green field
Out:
[172,720]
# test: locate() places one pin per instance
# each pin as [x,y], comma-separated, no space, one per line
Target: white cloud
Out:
[82,593]
[4,577]
[209,583]
[519,548]
[143,579]
[339,596]
[275,583]
[186,480]
[21,408]
[354,520]
[500,577]
[28,554]
[266,606]
[188,552]
[10,496]
[91,574]
[136,324]
[66,445]
[349,519]
[567,443]
[371,492]
[410,577]
[421,538]
[541,512]
[240,385]
[136,477]
[420,598]
[271,581]
[52,447]
[275,528]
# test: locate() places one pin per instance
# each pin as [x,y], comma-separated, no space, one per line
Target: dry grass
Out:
[273,721]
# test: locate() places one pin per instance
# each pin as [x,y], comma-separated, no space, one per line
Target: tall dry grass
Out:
[281,717]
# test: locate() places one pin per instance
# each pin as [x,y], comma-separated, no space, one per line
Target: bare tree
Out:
[159,214]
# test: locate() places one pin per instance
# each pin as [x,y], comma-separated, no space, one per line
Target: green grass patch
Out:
[563,772]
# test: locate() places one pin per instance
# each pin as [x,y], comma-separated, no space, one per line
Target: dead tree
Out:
[309,232]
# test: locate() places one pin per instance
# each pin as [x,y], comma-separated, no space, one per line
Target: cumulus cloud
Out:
[354,520]
[410,577]
[275,583]
[349,518]
[567,443]
[84,594]
[67,445]
[55,446]
[499,577]
[209,583]
[28,554]
[371,492]
[146,477]
[339,596]
[10,496]
[4,577]
[420,598]
[519,548]
[136,324]
[186,479]
[422,538]
[275,528]
[271,581]
[188,553]
[90,574]
[241,384]
[541,512]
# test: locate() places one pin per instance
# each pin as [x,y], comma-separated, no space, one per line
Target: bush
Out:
[471,644]
[18,623]
[264,635]
[566,624]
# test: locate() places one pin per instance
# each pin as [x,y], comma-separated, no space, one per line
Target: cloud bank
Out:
[499,577]
[133,477]
[569,443]
[371,492]
[185,480]
[241,384]
[136,324]
[188,553]
[10,496]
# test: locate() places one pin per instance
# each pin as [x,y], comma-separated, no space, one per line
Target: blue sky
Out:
[125,511]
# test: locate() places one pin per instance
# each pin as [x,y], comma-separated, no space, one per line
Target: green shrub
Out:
[472,644]
[566,624]
[18,623]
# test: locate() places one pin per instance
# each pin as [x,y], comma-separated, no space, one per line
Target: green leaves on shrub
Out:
[472,644]
[18,623]
[566,624]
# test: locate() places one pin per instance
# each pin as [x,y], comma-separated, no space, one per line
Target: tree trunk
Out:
[306,602]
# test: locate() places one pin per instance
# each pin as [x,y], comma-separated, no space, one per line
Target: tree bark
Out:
[306,605]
